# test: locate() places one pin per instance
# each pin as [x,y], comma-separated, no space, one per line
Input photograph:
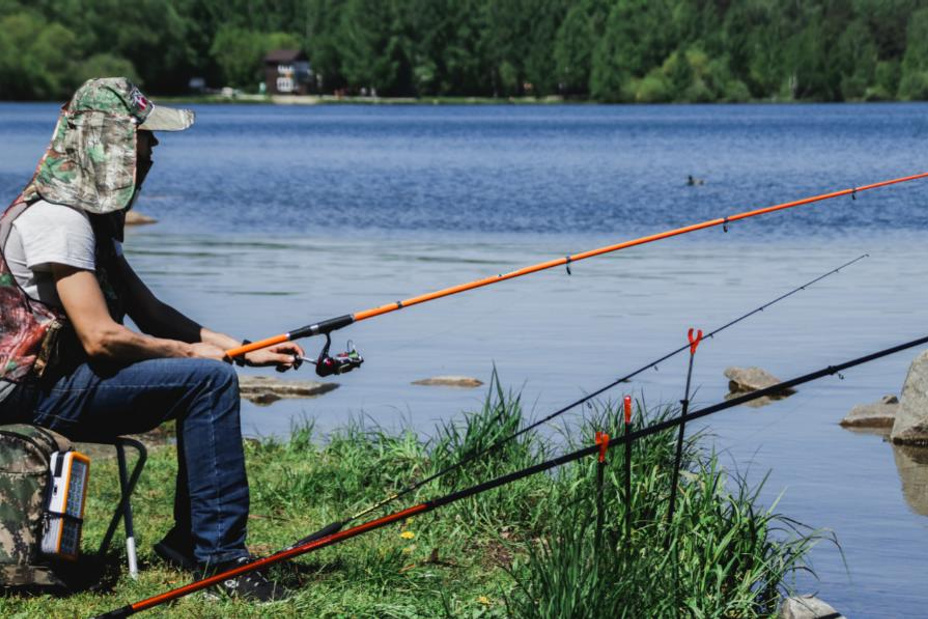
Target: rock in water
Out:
[264,390]
[880,414]
[746,380]
[912,466]
[755,403]
[464,382]
[134,218]
[911,425]
[807,607]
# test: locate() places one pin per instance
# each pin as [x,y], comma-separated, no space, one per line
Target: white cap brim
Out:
[163,118]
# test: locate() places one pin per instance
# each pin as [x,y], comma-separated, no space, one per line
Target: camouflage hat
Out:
[91,162]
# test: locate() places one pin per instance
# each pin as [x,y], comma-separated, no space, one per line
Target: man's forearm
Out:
[163,321]
[169,323]
[123,344]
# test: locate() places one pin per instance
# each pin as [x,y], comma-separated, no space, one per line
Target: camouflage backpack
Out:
[25,455]
[25,324]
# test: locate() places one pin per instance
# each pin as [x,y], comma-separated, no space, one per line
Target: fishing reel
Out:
[342,363]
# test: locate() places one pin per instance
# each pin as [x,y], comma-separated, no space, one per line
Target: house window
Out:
[284,69]
[284,84]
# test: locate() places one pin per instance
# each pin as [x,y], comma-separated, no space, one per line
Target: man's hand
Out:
[283,356]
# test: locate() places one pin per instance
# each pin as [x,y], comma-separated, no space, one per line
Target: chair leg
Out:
[127,485]
[127,512]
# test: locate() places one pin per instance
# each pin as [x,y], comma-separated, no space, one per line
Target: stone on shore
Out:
[880,414]
[463,382]
[807,607]
[911,425]
[134,218]
[264,390]
[746,380]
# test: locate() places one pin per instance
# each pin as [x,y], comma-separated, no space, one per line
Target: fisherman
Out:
[68,363]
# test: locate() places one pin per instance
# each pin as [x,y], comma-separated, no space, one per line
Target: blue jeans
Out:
[104,400]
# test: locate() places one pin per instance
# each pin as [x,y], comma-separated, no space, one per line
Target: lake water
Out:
[275,217]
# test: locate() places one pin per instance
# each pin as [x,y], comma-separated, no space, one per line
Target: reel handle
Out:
[342,363]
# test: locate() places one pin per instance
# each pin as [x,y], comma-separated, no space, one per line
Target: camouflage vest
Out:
[34,336]
[25,455]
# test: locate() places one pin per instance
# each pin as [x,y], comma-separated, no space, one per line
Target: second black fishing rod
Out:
[467,458]
[458,495]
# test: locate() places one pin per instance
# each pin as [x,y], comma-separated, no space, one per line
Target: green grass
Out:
[523,550]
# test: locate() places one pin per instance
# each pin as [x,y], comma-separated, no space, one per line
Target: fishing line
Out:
[428,506]
[470,457]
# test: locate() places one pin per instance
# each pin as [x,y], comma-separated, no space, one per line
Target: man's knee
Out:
[211,375]
[214,388]
[217,372]
[223,374]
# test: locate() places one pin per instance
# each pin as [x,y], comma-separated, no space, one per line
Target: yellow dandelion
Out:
[484,600]
[407,535]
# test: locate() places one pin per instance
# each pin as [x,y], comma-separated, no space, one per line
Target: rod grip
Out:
[247,348]
[326,326]
[335,527]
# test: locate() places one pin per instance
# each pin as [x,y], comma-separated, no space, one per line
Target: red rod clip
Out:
[602,439]
[628,409]
[694,341]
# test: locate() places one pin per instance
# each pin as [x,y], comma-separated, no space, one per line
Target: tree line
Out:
[604,50]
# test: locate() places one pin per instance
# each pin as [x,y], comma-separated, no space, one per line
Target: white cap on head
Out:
[163,118]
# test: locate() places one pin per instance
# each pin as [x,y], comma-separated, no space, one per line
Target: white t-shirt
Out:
[43,235]
[47,234]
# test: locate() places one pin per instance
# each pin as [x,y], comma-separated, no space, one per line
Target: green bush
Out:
[654,88]
[736,91]
[106,65]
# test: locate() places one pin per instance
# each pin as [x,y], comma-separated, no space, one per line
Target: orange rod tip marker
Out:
[628,409]
[694,339]
[602,439]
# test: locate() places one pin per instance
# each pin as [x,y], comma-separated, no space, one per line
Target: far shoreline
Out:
[253,99]
[550,100]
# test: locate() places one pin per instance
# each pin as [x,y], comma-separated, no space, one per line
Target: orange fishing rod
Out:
[326,365]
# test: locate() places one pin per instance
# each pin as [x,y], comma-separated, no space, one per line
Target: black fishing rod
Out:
[428,506]
[467,458]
